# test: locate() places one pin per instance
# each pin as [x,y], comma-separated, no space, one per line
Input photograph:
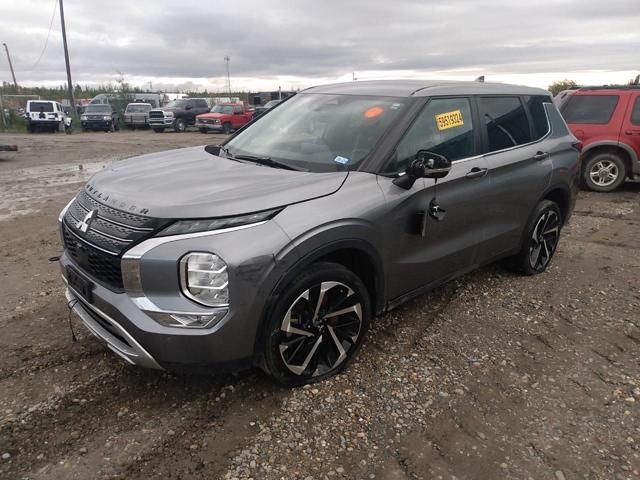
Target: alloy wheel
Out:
[320,329]
[604,173]
[544,240]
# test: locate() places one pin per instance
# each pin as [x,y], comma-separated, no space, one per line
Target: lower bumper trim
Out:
[131,351]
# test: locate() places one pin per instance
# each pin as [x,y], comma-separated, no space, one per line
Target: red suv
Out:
[607,122]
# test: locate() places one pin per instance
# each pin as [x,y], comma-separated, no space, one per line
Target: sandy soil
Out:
[493,376]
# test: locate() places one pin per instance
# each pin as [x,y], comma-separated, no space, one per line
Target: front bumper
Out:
[229,345]
[109,331]
[96,124]
[209,126]
[161,122]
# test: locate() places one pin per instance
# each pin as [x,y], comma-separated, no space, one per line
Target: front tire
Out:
[540,242]
[179,125]
[317,325]
[226,128]
[202,130]
[604,172]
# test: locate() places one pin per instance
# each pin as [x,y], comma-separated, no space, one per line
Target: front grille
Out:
[103,267]
[95,117]
[111,232]
[156,114]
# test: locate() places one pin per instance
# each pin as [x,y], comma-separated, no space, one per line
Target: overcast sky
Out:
[299,43]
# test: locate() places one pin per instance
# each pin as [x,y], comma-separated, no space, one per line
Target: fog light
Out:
[184,320]
[204,279]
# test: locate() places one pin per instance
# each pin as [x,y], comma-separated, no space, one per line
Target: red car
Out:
[224,118]
[607,122]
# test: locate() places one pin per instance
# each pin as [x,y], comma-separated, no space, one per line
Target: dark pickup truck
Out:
[177,114]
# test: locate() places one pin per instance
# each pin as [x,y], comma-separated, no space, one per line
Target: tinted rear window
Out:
[41,106]
[506,122]
[589,108]
[538,114]
[635,113]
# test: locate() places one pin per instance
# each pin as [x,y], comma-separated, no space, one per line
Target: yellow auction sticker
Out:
[449,120]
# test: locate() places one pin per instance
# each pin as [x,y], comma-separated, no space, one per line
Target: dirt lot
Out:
[493,376]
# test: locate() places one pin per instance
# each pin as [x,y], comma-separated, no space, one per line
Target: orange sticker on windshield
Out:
[373,112]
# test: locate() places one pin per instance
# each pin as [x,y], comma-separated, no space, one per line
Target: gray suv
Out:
[277,248]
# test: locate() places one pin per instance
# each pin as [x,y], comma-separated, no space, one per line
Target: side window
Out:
[237,109]
[506,122]
[201,104]
[596,109]
[635,113]
[443,126]
[535,104]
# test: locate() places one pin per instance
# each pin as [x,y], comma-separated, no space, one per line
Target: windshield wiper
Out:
[269,162]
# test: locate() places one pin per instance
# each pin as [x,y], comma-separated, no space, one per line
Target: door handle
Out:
[632,132]
[541,156]
[476,172]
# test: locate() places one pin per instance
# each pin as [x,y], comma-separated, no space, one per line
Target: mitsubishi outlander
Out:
[277,248]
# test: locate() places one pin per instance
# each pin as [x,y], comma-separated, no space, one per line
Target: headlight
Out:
[208,224]
[168,114]
[106,117]
[216,120]
[204,279]
[83,117]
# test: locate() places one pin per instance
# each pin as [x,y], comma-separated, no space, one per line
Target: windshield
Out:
[41,106]
[138,108]
[98,109]
[320,132]
[177,103]
[222,109]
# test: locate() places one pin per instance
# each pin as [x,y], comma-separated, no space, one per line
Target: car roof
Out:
[606,89]
[423,88]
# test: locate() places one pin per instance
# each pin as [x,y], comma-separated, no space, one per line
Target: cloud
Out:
[305,42]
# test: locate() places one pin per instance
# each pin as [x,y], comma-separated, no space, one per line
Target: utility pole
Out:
[227,60]
[66,59]
[11,66]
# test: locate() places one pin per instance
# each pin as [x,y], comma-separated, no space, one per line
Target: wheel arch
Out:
[561,195]
[358,255]
[624,151]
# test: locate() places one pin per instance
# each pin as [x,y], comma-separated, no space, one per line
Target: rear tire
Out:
[604,172]
[303,342]
[540,242]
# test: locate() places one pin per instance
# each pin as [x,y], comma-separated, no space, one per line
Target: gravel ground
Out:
[492,376]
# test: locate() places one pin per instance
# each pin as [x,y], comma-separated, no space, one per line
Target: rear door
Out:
[630,132]
[519,163]
[449,246]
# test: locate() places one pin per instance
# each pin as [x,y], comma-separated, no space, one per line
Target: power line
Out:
[46,42]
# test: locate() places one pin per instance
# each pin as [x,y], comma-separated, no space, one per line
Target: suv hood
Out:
[191,183]
[213,115]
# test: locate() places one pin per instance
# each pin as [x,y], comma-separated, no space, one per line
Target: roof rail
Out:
[611,87]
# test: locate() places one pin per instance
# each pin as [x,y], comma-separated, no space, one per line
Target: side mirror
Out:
[213,150]
[188,107]
[426,165]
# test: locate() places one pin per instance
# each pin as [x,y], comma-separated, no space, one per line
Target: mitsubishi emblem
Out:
[83,225]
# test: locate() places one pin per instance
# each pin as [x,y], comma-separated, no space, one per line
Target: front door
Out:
[447,247]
